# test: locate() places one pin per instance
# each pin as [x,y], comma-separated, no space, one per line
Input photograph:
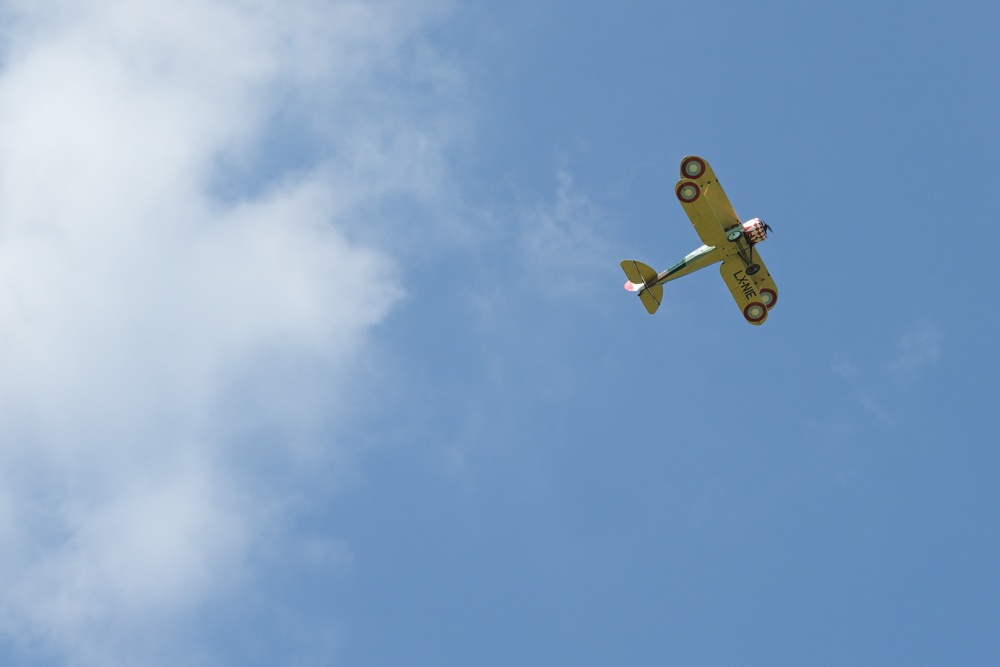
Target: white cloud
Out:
[564,241]
[916,351]
[145,323]
[875,389]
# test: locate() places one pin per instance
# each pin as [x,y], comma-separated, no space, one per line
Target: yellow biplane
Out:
[726,239]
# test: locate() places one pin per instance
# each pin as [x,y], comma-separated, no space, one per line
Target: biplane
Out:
[726,239]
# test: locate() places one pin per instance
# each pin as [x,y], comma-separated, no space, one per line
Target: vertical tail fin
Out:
[639,275]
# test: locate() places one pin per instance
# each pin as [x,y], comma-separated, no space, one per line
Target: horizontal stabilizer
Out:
[639,275]
[652,297]
[637,272]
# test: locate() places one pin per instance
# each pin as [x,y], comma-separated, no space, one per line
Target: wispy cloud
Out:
[563,241]
[150,327]
[877,388]
[916,352]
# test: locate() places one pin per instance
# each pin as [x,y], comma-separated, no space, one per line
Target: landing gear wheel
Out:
[688,192]
[755,312]
[692,167]
[769,297]
[752,269]
[734,234]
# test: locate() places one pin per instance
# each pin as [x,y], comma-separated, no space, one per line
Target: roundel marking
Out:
[692,167]
[688,192]
[755,312]
[769,297]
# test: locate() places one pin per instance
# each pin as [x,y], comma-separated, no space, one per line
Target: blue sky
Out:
[317,351]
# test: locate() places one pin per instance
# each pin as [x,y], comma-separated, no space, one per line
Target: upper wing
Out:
[756,294]
[705,202]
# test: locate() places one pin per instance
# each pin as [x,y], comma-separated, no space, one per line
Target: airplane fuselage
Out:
[704,256]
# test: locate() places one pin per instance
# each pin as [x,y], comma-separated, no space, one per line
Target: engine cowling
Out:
[756,230]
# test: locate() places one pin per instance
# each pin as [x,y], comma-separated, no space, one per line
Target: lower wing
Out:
[753,289]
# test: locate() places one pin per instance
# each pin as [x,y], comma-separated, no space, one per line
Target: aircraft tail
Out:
[639,275]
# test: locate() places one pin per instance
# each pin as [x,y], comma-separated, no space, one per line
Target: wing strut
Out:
[746,254]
